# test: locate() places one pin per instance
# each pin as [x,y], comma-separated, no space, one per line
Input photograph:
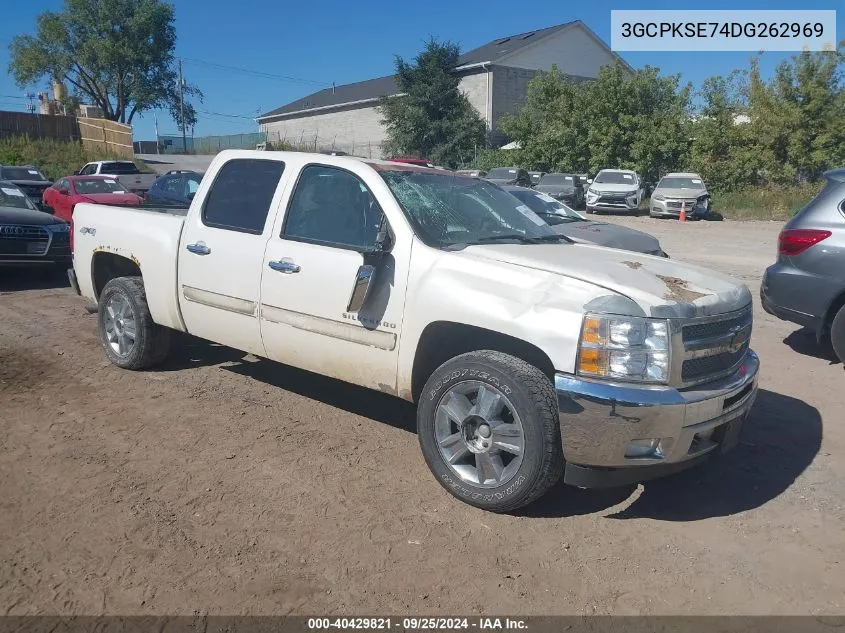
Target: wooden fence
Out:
[97,135]
[38,126]
[106,136]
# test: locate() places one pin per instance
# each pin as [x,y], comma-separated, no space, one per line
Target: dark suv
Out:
[807,283]
[509,176]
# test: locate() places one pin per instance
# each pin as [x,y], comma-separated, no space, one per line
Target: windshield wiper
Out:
[524,239]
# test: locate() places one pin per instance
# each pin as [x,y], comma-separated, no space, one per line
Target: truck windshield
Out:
[449,210]
[119,168]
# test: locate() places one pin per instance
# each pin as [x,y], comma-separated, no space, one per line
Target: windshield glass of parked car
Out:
[446,209]
[616,178]
[22,173]
[99,185]
[551,210]
[558,179]
[681,183]
[502,173]
[11,196]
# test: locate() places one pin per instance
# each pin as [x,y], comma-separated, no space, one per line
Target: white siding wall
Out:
[356,130]
[475,87]
[573,50]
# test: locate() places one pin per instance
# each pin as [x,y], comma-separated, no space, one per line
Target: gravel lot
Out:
[227,484]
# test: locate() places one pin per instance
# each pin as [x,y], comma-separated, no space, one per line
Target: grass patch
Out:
[765,203]
[54,158]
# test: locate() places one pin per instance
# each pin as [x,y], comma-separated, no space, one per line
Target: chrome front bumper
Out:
[599,420]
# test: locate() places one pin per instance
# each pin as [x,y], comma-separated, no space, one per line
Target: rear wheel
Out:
[489,430]
[129,335]
[837,334]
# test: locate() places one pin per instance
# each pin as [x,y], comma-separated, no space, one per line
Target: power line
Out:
[13,97]
[230,116]
[256,73]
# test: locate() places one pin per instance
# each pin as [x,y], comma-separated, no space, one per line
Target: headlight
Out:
[592,191]
[59,228]
[625,348]
[659,197]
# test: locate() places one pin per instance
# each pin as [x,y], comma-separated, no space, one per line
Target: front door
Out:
[310,269]
[222,250]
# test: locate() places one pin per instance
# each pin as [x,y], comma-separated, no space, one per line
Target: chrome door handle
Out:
[285,267]
[198,249]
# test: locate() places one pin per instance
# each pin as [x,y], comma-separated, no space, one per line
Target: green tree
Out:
[798,116]
[551,126]
[433,119]
[115,54]
[634,120]
[724,148]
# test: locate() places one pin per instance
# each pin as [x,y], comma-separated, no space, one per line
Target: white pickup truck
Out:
[529,357]
[125,171]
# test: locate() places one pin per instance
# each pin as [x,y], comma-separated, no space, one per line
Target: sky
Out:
[309,45]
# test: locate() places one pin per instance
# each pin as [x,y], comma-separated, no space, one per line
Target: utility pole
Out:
[155,119]
[182,107]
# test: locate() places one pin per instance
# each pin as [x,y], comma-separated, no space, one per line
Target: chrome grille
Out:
[695,368]
[16,239]
[712,347]
[676,204]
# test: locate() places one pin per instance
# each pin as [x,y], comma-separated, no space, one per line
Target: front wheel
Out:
[129,335]
[489,430]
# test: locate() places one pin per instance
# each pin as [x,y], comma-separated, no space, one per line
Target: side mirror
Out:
[367,271]
[63,192]
[191,197]
[589,181]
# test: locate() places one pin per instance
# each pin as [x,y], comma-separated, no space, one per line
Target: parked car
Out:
[614,190]
[125,171]
[472,173]
[567,188]
[678,190]
[29,236]
[176,189]
[530,357]
[807,283]
[536,176]
[566,221]
[29,179]
[67,192]
[509,176]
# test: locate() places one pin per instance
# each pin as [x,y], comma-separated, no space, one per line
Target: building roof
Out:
[491,52]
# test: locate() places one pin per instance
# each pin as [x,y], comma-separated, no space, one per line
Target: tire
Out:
[590,210]
[516,477]
[123,301]
[837,334]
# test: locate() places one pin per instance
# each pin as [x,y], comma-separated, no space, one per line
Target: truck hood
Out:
[660,287]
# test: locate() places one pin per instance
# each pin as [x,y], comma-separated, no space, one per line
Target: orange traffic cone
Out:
[683,216]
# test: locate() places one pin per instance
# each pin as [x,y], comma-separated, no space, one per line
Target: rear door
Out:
[310,270]
[221,253]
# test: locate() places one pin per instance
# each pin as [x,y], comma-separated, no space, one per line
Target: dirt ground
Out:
[226,484]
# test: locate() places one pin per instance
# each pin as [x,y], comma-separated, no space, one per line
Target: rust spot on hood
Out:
[633,265]
[676,290]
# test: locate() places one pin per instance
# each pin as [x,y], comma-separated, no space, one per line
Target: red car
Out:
[67,192]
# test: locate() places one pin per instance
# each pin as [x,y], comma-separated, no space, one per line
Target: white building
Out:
[494,77]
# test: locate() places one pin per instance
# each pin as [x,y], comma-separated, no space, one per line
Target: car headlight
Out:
[624,348]
[659,197]
[59,228]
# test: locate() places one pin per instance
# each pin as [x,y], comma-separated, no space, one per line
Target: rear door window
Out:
[240,196]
